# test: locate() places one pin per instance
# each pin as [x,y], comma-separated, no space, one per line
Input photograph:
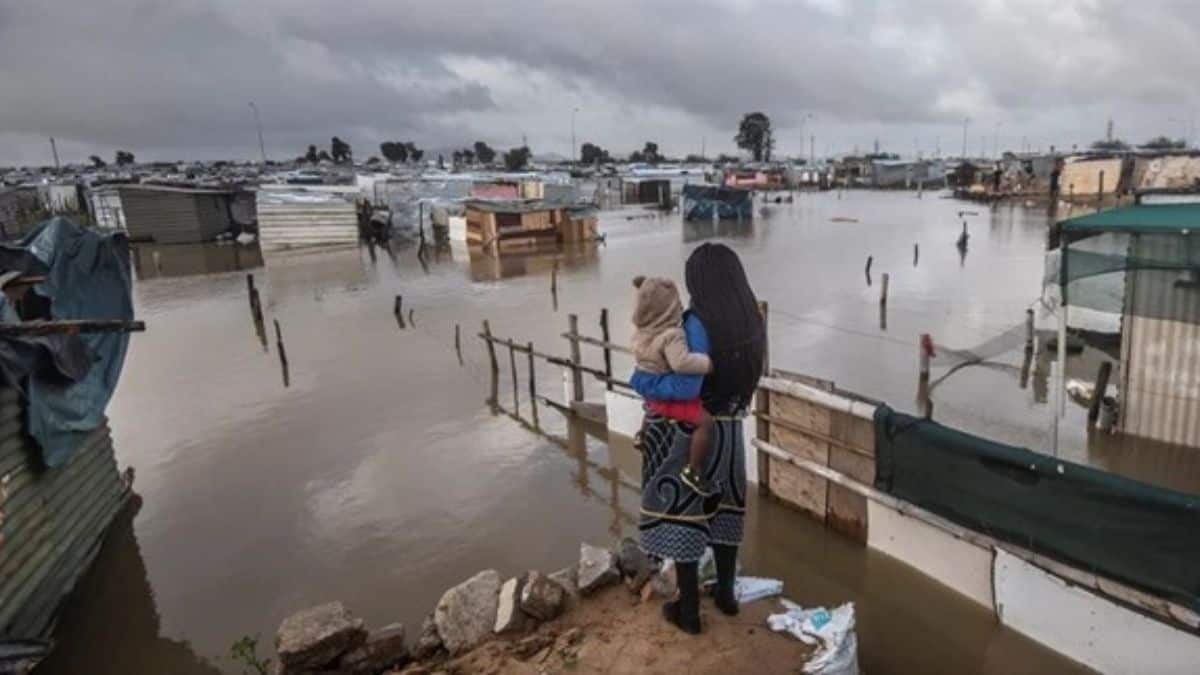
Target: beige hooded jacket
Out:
[659,343]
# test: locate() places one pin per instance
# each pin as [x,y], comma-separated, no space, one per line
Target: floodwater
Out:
[379,476]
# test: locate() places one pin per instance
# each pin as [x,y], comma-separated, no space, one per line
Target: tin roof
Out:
[1139,218]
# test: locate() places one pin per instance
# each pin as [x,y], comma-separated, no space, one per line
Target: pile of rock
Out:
[328,640]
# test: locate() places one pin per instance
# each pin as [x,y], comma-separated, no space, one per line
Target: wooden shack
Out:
[523,224]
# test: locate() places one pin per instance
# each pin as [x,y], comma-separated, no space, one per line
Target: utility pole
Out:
[812,150]
[703,142]
[54,150]
[262,148]
[966,121]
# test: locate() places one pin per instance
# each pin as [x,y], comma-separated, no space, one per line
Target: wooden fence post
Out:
[762,406]
[491,347]
[607,351]
[1100,190]
[512,361]
[532,386]
[576,358]
[1098,394]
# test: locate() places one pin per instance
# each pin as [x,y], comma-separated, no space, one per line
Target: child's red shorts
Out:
[682,411]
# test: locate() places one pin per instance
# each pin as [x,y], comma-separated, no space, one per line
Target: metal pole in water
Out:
[604,335]
[532,385]
[576,358]
[883,290]
[491,347]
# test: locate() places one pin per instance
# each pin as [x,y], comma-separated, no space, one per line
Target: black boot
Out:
[724,596]
[685,612]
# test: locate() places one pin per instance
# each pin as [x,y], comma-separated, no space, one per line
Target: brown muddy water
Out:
[380,477]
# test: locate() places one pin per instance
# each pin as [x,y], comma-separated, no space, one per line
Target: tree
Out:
[695,159]
[124,158]
[372,160]
[339,150]
[323,156]
[394,151]
[1164,143]
[484,152]
[590,153]
[1114,145]
[754,135]
[311,156]
[648,154]
[517,158]
[97,162]
[415,153]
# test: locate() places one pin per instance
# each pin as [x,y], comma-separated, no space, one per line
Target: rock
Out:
[597,568]
[568,578]
[317,636]
[383,648]
[635,566]
[541,598]
[429,643]
[466,613]
[509,618]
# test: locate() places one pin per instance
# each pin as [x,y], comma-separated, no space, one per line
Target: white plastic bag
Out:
[749,589]
[832,632]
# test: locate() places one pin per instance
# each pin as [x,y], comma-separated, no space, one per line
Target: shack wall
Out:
[1179,172]
[293,222]
[1082,178]
[173,217]
[53,520]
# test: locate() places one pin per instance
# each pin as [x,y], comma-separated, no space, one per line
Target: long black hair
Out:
[722,298]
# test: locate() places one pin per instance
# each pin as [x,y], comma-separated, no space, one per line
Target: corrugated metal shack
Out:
[1168,172]
[104,204]
[173,215]
[295,217]
[54,520]
[636,190]
[17,208]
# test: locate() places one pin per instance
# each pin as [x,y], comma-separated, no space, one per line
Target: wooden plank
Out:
[1087,627]
[799,445]
[847,512]
[802,413]
[853,431]
[800,488]
[855,465]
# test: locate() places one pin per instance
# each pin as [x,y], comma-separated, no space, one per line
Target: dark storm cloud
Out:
[175,76]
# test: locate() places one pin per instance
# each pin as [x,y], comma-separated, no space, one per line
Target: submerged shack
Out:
[639,190]
[174,215]
[68,309]
[515,224]
[711,202]
[1156,249]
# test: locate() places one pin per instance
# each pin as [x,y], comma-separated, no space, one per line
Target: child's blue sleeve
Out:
[673,386]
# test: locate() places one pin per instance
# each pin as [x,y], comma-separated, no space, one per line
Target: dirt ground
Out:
[612,633]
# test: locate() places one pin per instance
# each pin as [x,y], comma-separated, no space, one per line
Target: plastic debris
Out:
[749,589]
[831,631]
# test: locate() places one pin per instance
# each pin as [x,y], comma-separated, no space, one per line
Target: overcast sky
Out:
[173,79]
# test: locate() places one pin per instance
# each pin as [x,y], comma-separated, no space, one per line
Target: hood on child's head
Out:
[658,306]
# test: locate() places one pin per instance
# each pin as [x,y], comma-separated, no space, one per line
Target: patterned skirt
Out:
[677,522]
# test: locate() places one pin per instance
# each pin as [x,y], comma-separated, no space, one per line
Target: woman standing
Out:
[676,522]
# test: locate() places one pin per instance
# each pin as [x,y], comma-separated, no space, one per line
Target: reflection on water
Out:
[110,623]
[379,477]
[151,261]
[542,260]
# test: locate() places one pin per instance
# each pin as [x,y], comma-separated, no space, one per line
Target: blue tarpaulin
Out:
[68,379]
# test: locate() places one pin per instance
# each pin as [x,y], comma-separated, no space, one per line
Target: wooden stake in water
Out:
[458,343]
[916,254]
[398,310]
[491,347]
[512,361]
[604,335]
[883,290]
[532,385]
[870,259]
[576,358]
[283,359]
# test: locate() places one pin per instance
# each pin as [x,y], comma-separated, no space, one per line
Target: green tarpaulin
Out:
[1142,535]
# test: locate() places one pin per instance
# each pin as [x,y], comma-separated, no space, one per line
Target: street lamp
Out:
[574,147]
[258,125]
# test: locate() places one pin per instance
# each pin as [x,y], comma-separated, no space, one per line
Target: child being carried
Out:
[660,346]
